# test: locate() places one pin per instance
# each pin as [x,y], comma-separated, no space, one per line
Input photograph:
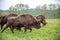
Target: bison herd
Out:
[14,21]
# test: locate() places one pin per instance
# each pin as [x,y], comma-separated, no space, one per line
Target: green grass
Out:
[49,32]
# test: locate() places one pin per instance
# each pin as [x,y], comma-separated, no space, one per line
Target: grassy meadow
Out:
[49,32]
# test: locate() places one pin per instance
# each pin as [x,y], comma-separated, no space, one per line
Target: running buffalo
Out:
[3,19]
[25,20]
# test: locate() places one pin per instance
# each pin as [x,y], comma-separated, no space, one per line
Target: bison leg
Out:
[30,28]
[12,28]
[5,28]
[25,29]
[2,26]
[18,28]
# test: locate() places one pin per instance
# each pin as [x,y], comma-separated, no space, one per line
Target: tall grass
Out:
[49,32]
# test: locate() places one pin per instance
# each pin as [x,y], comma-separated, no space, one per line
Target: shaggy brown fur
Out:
[24,20]
[3,19]
[42,19]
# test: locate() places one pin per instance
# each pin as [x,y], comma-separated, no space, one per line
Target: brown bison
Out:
[25,20]
[3,19]
[42,19]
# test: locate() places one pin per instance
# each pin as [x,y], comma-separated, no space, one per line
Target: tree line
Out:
[49,11]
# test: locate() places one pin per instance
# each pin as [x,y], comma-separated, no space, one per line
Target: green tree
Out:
[12,9]
[52,6]
[44,7]
[21,7]
[26,7]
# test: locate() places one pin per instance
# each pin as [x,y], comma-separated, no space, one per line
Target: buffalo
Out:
[3,19]
[25,20]
[42,19]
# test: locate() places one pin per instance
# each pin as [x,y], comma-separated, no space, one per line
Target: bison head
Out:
[41,19]
[44,22]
